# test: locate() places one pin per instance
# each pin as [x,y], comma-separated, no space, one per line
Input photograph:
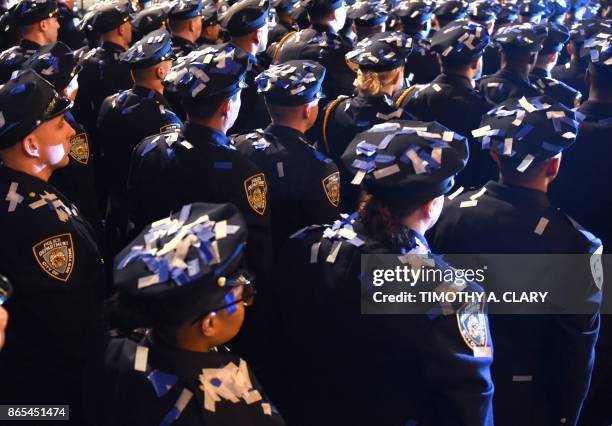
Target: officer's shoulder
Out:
[583,238]
[161,143]
[251,142]
[11,54]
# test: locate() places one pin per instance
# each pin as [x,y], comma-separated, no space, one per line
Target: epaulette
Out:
[593,241]
[11,55]
[340,232]
[165,142]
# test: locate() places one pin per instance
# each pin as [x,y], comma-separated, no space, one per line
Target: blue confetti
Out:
[162,382]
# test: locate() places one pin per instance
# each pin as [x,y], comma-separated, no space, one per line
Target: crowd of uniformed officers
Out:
[163,163]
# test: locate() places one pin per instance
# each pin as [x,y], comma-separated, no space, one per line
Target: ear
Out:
[553,58]
[474,64]
[29,144]
[42,25]
[495,157]
[552,167]
[570,49]
[160,72]
[427,209]
[224,108]
[208,325]
[587,78]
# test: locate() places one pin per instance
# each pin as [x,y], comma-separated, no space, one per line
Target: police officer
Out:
[447,12]
[532,11]
[59,66]
[69,21]
[201,164]
[39,26]
[285,24]
[247,24]
[368,18]
[573,72]
[180,371]
[380,369]
[579,190]
[148,20]
[134,114]
[211,29]
[186,25]
[486,13]
[11,35]
[450,98]
[379,64]
[49,253]
[321,43]
[543,363]
[415,17]
[519,45]
[103,74]
[304,184]
[540,75]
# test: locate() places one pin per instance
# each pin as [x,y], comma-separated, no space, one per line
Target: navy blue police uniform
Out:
[578,190]
[555,41]
[377,368]
[320,43]
[242,18]
[201,164]
[103,72]
[343,118]
[543,362]
[506,83]
[59,65]
[134,114]
[52,259]
[148,379]
[304,184]
[459,42]
[26,12]
[180,11]
[422,66]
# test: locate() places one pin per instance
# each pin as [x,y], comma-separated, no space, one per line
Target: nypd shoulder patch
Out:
[473,325]
[331,186]
[79,148]
[55,255]
[256,189]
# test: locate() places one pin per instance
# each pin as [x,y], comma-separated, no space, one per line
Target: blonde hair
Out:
[373,83]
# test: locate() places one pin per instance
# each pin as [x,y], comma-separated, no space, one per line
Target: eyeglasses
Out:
[242,291]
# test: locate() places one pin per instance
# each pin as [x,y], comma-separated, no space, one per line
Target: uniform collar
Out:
[454,80]
[182,41]
[197,134]
[16,175]
[320,28]
[596,110]
[517,195]
[112,47]
[170,359]
[29,44]
[286,133]
[540,72]
[512,76]
[147,93]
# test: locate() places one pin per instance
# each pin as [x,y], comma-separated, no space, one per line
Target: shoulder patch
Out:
[55,255]
[331,186]
[256,189]
[597,268]
[473,326]
[79,148]
[170,127]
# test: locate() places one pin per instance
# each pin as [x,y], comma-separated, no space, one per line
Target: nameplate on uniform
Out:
[55,255]
[331,185]
[79,148]
[256,188]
